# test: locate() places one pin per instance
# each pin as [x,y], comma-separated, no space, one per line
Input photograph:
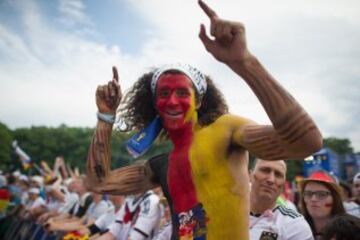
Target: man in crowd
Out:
[36,202]
[97,208]
[79,209]
[355,209]
[102,223]
[203,184]
[138,218]
[267,219]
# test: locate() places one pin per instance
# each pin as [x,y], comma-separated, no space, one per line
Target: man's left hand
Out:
[229,43]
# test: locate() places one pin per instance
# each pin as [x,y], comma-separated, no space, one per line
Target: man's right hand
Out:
[108,96]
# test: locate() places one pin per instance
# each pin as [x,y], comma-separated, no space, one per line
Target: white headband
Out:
[194,74]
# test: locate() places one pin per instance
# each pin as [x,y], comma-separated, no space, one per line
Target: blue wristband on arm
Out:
[108,118]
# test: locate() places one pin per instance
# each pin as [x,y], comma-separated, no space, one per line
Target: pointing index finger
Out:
[208,11]
[115,74]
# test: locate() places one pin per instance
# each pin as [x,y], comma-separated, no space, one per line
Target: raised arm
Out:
[100,178]
[293,133]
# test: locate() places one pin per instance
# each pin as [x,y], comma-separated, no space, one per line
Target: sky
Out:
[53,54]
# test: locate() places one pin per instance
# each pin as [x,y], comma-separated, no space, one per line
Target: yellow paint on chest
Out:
[214,183]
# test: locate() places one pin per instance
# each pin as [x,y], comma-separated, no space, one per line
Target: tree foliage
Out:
[341,146]
[5,146]
[46,143]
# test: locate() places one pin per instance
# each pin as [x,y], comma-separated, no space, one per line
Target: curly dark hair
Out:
[137,108]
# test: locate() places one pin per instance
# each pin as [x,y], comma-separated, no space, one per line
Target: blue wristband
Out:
[108,118]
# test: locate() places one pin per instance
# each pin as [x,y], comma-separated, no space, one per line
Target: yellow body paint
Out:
[191,114]
[225,199]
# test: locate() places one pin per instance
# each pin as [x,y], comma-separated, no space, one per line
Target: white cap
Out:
[34,190]
[38,179]
[24,178]
[3,181]
[17,173]
[356,177]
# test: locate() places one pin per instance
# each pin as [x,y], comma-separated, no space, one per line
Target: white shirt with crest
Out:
[280,223]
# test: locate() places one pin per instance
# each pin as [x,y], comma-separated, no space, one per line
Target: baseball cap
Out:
[38,179]
[24,178]
[324,177]
[34,190]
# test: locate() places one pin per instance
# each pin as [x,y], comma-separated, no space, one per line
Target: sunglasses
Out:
[320,195]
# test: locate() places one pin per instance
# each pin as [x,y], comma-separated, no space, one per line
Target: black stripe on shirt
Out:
[287,212]
[141,232]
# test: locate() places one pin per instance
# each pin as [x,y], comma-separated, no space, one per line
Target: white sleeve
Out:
[148,220]
[100,209]
[115,229]
[164,233]
[70,201]
[105,220]
[118,228]
[298,229]
[38,202]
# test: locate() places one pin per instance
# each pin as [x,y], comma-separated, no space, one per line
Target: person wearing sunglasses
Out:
[321,201]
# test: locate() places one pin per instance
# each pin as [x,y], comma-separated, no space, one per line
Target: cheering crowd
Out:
[58,207]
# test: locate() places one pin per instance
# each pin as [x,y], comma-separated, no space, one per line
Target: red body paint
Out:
[173,102]
[181,185]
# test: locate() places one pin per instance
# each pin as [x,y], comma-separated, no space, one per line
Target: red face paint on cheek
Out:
[328,205]
[173,99]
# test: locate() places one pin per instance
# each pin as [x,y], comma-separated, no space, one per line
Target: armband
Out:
[108,118]
[93,229]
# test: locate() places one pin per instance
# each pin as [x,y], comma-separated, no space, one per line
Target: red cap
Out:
[322,177]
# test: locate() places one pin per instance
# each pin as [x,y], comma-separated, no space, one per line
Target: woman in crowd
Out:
[321,201]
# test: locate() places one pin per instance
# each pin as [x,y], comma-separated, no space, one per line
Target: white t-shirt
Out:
[81,202]
[352,208]
[138,218]
[281,223]
[39,201]
[24,198]
[70,200]
[95,210]
[52,204]
[105,220]
[164,233]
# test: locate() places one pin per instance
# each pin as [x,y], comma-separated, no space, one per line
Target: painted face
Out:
[318,200]
[175,100]
[268,179]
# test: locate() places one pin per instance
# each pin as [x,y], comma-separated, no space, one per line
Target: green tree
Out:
[342,146]
[44,143]
[294,168]
[5,146]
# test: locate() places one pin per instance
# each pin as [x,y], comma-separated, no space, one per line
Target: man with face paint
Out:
[205,176]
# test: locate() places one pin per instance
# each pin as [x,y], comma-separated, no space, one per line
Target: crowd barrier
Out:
[13,228]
